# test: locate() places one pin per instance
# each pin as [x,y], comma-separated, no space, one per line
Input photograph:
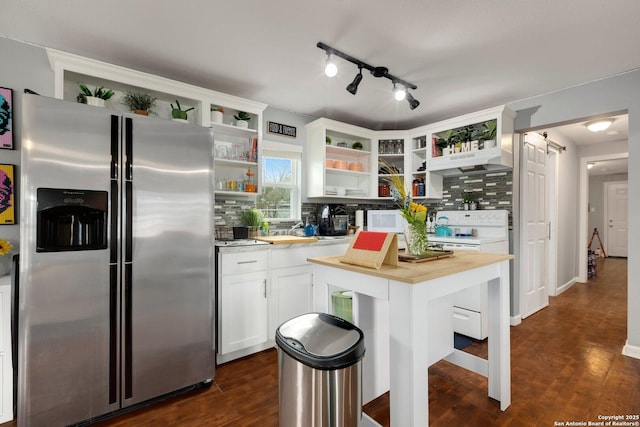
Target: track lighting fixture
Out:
[353,86]
[400,87]
[413,103]
[399,92]
[330,68]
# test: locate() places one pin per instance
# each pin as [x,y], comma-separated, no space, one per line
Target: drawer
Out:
[243,262]
[290,257]
[467,322]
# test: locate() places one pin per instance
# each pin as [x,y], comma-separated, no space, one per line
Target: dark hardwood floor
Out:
[566,365]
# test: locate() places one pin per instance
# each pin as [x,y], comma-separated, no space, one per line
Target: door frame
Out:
[606,210]
[553,170]
[583,204]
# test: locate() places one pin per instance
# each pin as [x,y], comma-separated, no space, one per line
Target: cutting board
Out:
[286,240]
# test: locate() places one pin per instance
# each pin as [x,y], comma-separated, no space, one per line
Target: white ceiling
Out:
[463,55]
[581,136]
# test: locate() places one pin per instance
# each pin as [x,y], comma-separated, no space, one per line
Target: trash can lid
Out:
[321,340]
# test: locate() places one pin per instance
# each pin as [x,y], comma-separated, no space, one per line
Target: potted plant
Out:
[469,201]
[217,114]
[139,102]
[357,145]
[446,142]
[95,98]
[242,119]
[489,135]
[327,139]
[252,220]
[178,114]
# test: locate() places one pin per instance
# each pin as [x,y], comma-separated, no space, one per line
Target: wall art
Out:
[6,118]
[7,195]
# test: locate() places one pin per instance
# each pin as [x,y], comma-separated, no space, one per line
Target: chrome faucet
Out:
[299,224]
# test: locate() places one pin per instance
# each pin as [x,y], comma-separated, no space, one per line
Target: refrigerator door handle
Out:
[113,222]
[128,334]
[113,333]
[128,147]
[115,142]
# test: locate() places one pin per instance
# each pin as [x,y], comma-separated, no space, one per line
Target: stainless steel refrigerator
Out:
[115,302]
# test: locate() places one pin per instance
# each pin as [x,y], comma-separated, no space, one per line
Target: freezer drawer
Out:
[468,322]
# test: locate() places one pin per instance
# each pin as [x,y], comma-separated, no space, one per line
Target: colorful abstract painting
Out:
[7,195]
[6,118]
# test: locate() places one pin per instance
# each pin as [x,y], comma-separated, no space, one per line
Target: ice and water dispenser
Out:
[71,220]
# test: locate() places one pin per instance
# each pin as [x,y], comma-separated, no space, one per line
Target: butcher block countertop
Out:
[286,240]
[409,272]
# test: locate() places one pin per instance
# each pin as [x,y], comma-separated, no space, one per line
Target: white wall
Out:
[568,190]
[614,94]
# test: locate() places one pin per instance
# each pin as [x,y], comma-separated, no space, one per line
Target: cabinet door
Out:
[6,369]
[291,296]
[243,311]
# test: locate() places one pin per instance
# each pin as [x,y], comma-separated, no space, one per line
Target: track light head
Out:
[353,86]
[413,103]
[330,68]
[399,92]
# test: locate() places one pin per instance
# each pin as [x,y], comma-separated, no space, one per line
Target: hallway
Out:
[566,366]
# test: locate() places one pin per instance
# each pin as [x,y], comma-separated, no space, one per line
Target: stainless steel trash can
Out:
[320,371]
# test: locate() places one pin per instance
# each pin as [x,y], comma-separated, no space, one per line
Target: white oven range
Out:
[480,231]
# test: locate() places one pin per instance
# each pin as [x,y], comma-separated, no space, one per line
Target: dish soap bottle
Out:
[265,228]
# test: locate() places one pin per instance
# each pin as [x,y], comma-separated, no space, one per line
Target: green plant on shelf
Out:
[98,92]
[242,115]
[139,101]
[178,112]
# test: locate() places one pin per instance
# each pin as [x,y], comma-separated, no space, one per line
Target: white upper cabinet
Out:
[237,149]
[339,162]
[473,142]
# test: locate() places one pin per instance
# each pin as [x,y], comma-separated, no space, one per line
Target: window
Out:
[280,195]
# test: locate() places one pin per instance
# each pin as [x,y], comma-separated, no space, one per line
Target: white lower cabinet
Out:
[243,302]
[291,295]
[242,309]
[258,289]
[6,368]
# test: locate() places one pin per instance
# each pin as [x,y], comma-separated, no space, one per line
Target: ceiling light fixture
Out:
[399,92]
[599,125]
[353,86]
[413,103]
[331,70]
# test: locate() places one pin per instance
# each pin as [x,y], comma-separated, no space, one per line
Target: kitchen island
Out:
[405,312]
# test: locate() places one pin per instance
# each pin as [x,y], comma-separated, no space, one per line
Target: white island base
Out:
[405,313]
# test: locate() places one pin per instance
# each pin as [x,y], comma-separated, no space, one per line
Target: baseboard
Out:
[516,320]
[631,350]
[566,286]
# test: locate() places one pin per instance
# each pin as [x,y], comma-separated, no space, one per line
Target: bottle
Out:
[414,187]
[265,228]
[421,187]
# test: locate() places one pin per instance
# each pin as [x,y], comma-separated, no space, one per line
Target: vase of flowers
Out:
[5,257]
[415,233]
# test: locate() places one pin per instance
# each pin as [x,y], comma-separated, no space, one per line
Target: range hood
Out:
[492,159]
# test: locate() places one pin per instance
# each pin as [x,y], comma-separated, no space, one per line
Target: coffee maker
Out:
[332,220]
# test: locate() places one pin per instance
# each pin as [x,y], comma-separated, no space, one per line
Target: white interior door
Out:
[616,219]
[535,232]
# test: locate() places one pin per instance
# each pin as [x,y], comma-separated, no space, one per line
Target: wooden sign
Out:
[372,249]
[280,129]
